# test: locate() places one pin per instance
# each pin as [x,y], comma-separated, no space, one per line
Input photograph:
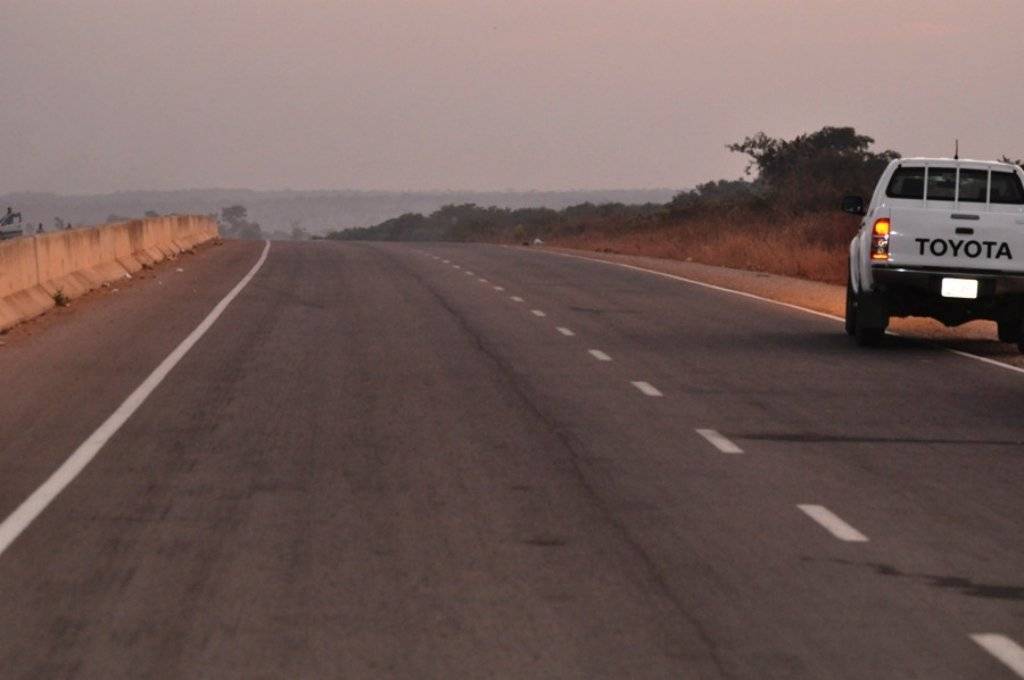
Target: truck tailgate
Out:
[947,236]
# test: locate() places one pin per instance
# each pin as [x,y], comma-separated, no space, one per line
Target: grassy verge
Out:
[811,246]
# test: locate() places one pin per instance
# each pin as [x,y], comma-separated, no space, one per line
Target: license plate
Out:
[960,288]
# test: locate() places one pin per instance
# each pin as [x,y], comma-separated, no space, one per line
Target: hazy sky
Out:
[104,95]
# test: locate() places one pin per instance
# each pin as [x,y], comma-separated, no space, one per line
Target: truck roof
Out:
[953,162]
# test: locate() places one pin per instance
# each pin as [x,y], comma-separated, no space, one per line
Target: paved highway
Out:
[468,461]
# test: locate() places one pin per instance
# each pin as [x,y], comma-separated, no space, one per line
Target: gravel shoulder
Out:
[976,337]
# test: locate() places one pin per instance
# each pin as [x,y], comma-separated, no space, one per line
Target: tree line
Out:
[784,178]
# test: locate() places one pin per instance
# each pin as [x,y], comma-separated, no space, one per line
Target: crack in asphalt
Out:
[575,451]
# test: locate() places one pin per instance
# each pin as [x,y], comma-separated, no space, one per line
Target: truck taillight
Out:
[880,239]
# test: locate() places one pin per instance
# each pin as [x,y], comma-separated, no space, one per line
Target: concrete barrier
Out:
[35,269]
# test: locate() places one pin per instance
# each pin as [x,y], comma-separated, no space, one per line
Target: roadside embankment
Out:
[38,272]
[976,337]
[811,246]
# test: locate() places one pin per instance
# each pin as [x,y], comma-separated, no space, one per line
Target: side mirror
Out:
[853,205]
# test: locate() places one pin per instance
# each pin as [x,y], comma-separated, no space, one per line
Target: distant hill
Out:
[317,212]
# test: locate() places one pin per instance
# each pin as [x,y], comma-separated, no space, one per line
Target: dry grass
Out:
[809,246]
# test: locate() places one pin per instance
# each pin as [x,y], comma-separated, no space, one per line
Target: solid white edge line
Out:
[832,523]
[719,441]
[537,312]
[647,388]
[1004,649]
[564,331]
[35,504]
[599,355]
[788,305]
[977,357]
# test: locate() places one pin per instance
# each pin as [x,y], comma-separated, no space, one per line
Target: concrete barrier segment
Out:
[33,270]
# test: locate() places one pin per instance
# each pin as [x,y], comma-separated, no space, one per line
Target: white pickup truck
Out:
[942,238]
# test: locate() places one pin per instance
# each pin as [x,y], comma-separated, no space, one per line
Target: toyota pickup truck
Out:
[942,238]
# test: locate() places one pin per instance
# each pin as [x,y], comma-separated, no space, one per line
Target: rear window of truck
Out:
[1006,188]
[973,186]
[941,184]
[906,183]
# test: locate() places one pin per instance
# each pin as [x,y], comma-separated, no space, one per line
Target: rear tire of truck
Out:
[851,308]
[870,318]
[868,336]
[1009,328]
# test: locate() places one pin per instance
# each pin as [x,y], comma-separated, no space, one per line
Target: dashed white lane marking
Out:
[447,261]
[516,298]
[832,523]
[457,266]
[599,355]
[537,312]
[720,442]
[468,273]
[482,280]
[34,505]
[1004,649]
[498,288]
[647,388]
[565,331]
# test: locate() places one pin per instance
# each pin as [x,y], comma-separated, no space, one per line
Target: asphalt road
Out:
[378,464]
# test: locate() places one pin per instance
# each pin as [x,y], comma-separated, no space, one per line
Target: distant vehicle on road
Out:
[942,238]
[8,221]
